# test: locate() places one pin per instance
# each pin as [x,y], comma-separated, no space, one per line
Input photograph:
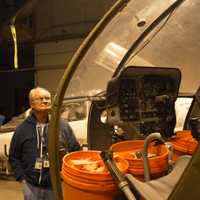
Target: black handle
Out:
[107,157]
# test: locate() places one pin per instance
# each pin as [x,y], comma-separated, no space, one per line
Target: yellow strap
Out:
[14,36]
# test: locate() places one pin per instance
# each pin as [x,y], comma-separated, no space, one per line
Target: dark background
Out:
[14,83]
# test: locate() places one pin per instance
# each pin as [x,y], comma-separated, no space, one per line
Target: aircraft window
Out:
[182,106]
[74,111]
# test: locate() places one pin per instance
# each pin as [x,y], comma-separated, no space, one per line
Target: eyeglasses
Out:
[41,99]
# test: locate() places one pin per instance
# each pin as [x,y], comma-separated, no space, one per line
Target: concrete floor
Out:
[10,190]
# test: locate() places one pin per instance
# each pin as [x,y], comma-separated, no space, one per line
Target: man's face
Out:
[41,101]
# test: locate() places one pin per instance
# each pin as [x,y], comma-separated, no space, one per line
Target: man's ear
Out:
[31,105]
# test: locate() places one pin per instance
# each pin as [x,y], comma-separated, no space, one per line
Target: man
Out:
[29,150]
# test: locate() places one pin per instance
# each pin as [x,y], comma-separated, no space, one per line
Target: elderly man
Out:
[29,147]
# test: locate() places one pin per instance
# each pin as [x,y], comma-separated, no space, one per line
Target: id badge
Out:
[46,163]
[38,164]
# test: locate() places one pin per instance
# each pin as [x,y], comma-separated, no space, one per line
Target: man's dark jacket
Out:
[24,151]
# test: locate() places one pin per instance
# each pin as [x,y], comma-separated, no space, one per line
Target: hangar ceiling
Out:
[51,20]
[41,22]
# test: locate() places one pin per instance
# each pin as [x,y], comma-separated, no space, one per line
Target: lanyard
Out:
[40,129]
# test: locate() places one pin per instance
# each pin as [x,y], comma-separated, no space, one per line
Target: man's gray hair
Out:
[34,90]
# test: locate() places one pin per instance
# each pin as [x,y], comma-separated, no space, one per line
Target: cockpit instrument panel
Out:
[144,96]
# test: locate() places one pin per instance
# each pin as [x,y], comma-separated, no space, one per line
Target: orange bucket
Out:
[183,144]
[158,163]
[85,176]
